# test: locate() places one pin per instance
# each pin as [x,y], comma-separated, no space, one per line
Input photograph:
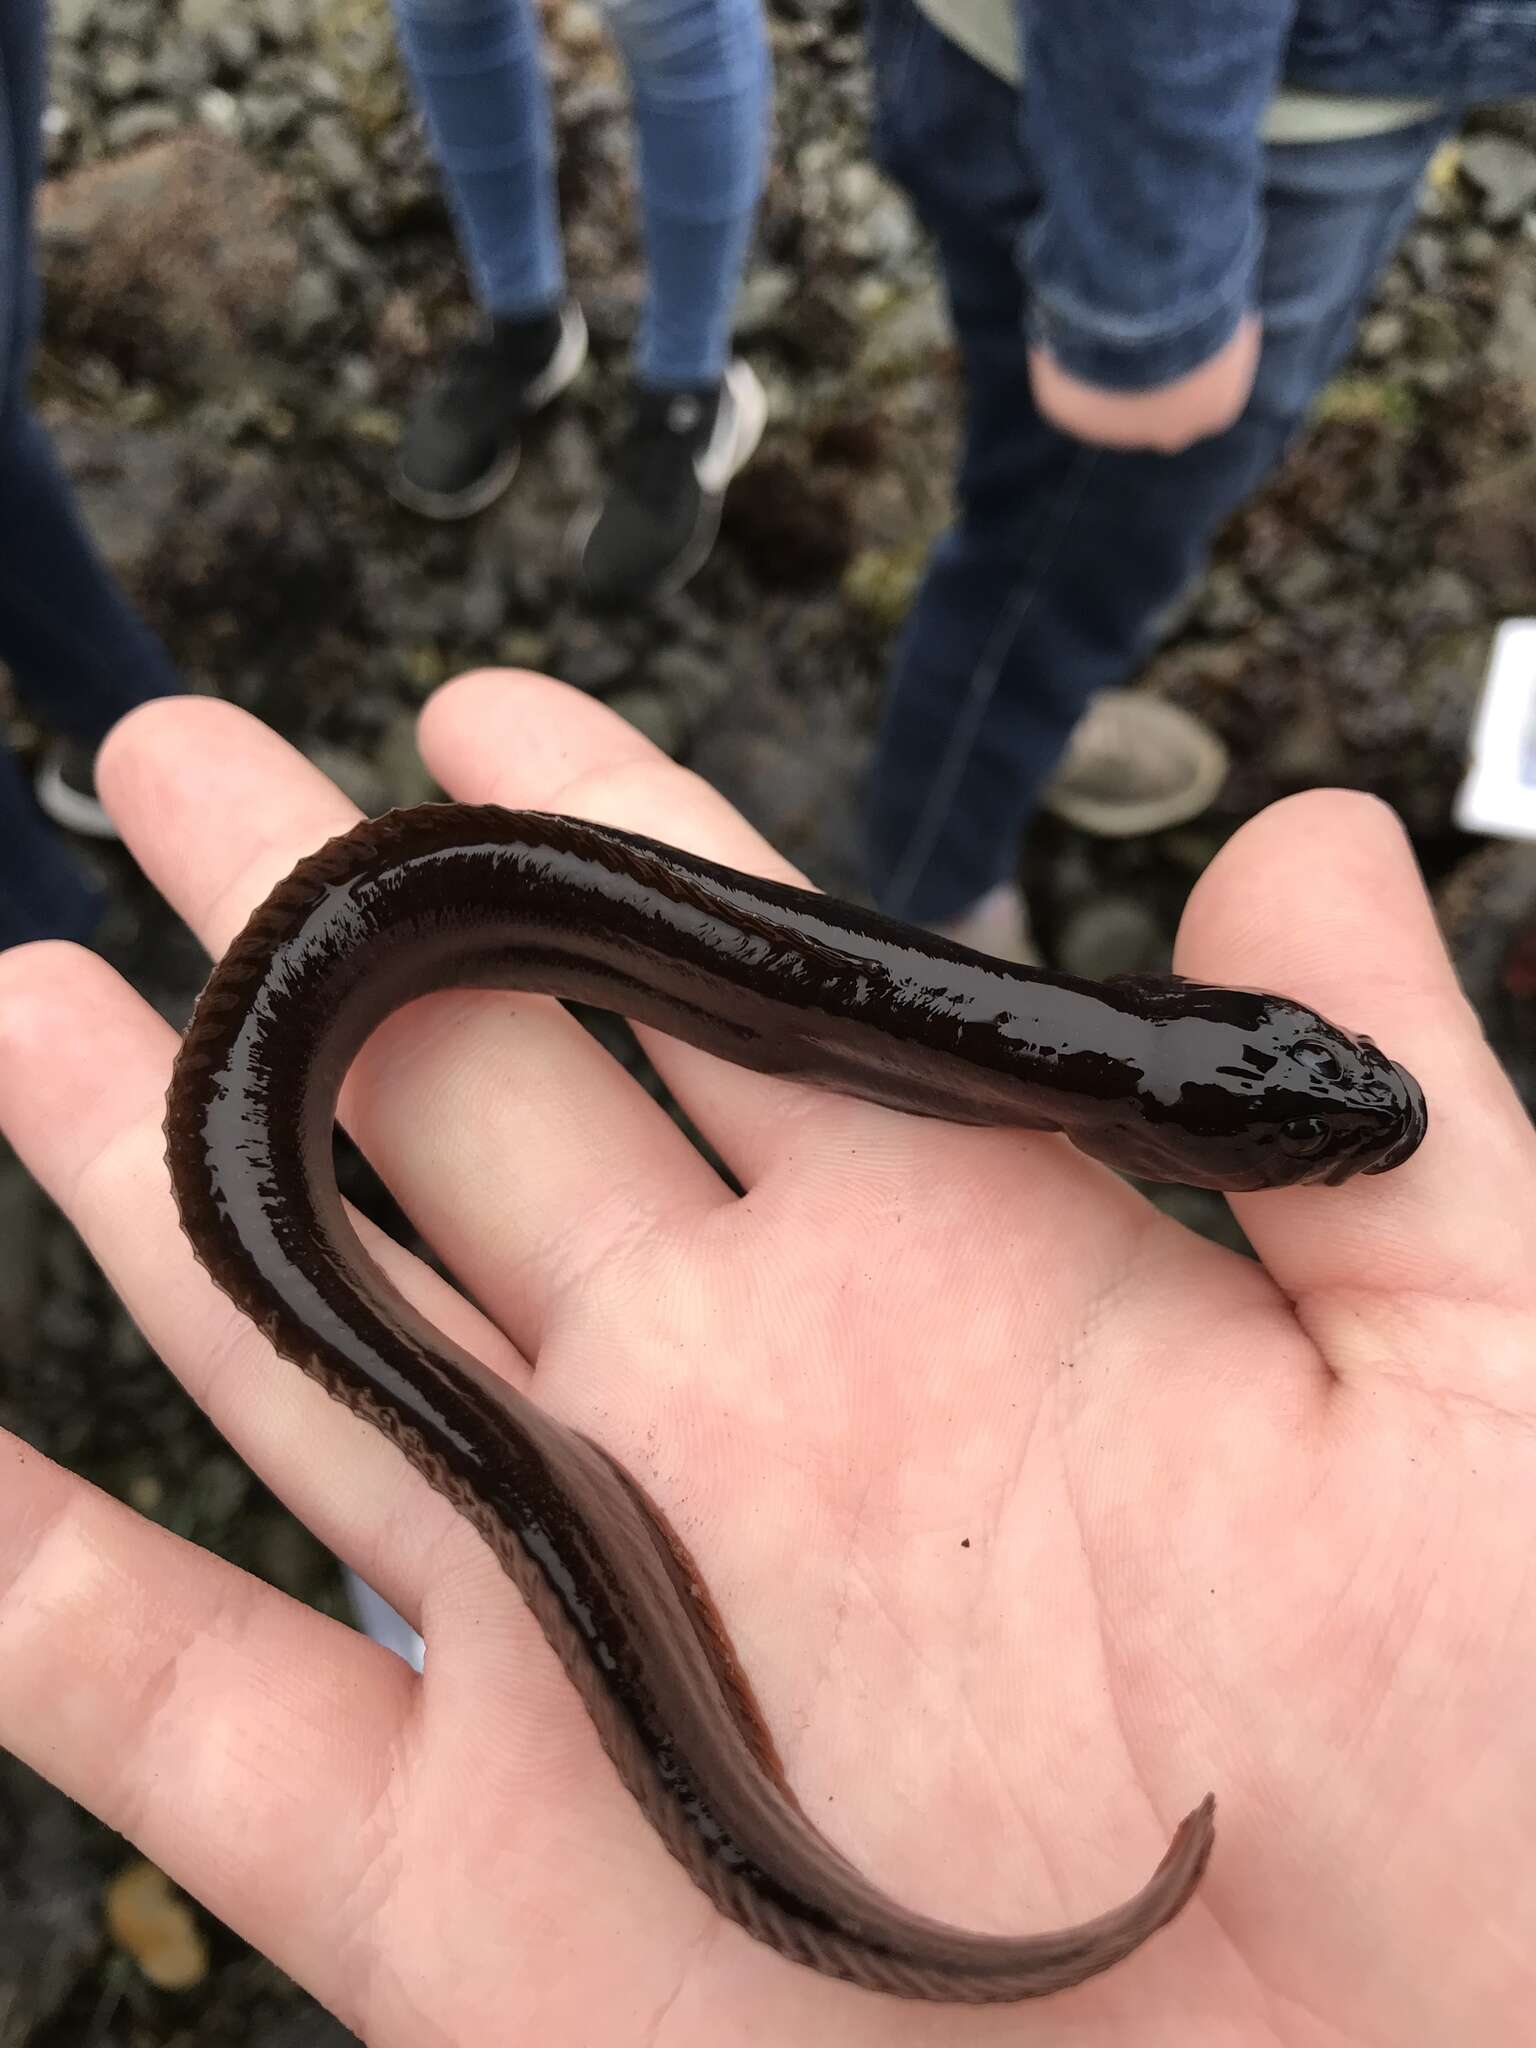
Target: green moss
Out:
[1387,400]
[881,582]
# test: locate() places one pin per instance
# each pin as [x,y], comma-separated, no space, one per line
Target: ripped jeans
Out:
[700,77]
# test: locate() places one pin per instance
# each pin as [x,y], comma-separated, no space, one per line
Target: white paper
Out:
[1499,793]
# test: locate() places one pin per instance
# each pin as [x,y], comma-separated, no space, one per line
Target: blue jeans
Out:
[1063,556]
[700,76]
[78,657]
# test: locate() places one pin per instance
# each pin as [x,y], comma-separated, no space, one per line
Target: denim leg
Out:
[701,78]
[1062,557]
[478,70]
[79,657]
[44,893]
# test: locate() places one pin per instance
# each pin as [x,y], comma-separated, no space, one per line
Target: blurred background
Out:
[245,253]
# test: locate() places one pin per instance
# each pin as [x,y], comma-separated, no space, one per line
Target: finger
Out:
[507,737]
[517,1146]
[83,1071]
[243,1741]
[1320,898]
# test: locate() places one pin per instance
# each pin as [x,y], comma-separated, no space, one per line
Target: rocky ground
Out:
[248,261]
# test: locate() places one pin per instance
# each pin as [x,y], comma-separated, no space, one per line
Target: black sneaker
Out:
[66,790]
[461,443]
[659,520]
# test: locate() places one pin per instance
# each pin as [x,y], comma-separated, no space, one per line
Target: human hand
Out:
[1207,400]
[1032,1516]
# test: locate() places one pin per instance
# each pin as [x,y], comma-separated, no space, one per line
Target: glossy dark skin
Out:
[1167,1079]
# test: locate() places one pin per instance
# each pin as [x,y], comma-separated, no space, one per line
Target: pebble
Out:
[1475,249]
[219,113]
[337,152]
[120,71]
[157,1927]
[1504,172]
[1382,335]
[134,126]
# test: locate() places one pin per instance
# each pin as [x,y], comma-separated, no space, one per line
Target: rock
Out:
[1475,249]
[1512,345]
[271,115]
[1302,577]
[283,21]
[764,296]
[219,112]
[21,1210]
[50,1925]
[654,714]
[204,17]
[314,304]
[1382,335]
[120,71]
[73,20]
[178,69]
[173,260]
[1425,255]
[1113,935]
[134,126]
[337,152]
[354,776]
[234,45]
[157,1927]
[691,680]
[589,659]
[1225,604]
[910,334]
[311,2028]
[1504,172]
[1440,596]
[131,488]
[792,762]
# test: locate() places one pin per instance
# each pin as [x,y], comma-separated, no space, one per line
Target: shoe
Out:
[661,515]
[66,791]
[1136,764]
[998,925]
[462,440]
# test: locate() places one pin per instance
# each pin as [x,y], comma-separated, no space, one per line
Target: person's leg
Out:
[44,894]
[79,656]
[478,71]
[700,76]
[701,79]
[1063,557]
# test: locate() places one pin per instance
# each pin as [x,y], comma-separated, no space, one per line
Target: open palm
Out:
[1033,1516]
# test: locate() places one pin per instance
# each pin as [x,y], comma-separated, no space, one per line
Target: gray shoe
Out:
[1136,764]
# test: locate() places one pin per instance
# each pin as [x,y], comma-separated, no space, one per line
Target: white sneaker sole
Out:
[1109,818]
[749,416]
[69,809]
[563,369]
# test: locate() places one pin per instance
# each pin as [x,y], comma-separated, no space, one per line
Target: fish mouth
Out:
[1413,1121]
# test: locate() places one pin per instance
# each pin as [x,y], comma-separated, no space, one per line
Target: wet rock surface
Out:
[226,389]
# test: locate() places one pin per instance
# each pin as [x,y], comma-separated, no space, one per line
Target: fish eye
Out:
[1317,1058]
[1304,1135]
